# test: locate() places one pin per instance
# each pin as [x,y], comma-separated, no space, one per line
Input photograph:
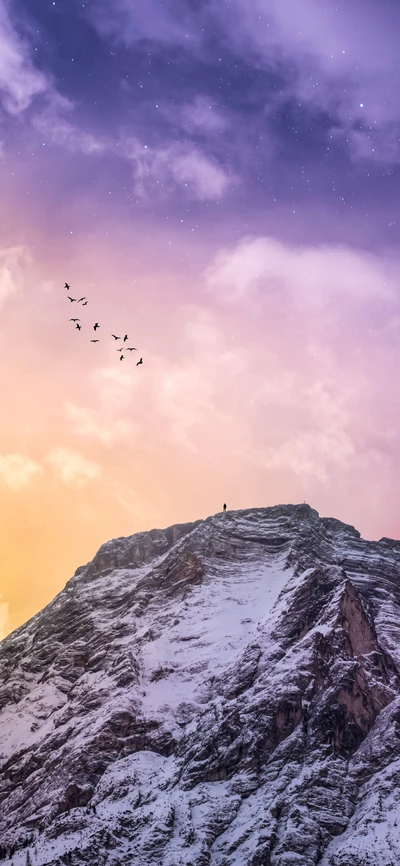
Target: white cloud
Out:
[17,470]
[202,115]
[307,276]
[54,127]
[115,387]
[98,425]
[172,23]
[13,263]
[160,169]
[20,82]
[320,440]
[71,468]
[204,177]
[135,504]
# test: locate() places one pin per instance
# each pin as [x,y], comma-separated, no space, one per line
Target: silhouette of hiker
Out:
[224,506]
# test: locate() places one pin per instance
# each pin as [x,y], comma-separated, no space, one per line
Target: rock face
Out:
[221,693]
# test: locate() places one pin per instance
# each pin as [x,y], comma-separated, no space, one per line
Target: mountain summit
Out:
[218,693]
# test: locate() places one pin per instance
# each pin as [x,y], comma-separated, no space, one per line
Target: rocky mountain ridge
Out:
[218,693]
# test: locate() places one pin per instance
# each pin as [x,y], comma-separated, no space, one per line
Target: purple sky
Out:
[222,180]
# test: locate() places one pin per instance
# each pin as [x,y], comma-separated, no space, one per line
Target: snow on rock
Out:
[221,693]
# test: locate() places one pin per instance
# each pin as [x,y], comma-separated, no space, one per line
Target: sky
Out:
[220,179]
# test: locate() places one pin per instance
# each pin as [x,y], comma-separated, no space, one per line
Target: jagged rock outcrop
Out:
[221,693]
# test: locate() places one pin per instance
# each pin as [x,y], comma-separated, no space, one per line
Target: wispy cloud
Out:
[55,127]
[261,268]
[176,165]
[13,264]
[202,115]
[175,22]
[18,470]
[20,81]
[72,468]
[99,425]
[334,60]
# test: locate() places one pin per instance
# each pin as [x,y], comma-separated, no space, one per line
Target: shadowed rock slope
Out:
[219,693]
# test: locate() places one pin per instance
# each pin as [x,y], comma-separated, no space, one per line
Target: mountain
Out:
[218,693]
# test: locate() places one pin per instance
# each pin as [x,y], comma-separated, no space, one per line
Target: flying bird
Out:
[79,327]
[131,349]
[84,305]
[81,299]
[95,341]
[120,350]
[139,362]
[96,326]
[74,320]
[121,357]
[71,299]
[115,338]
[67,286]
[125,338]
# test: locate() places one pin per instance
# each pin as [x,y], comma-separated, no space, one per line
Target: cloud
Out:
[54,127]
[135,503]
[71,468]
[263,268]
[162,169]
[20,81]
[17,470]
[323,410]
[202,115]
[174,22]
[4,617]
[13,263]
[115,388]
[338,60]
[99,425]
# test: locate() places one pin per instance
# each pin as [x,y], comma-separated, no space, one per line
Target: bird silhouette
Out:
[84,305]
[81,299]
[139,362]
[121,357]
[96,326]
[131,349]
[79,327]
[125,338]
[120,350]
[74,320]
[95,341]
[67,286]
[71,299]
[116,338]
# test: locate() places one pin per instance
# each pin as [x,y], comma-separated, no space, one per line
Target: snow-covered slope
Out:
[222,693]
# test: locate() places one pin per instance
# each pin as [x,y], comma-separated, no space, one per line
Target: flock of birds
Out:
[84,301]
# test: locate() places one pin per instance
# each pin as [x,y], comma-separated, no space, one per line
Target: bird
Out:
[71,299]
[120,350]
[81,299]
[131,349]
[79,327]
[125,338]
[115,338]
[67,286]
[84,305]
[95,341]
[139,362]
[74,320]
[121,357]
[96,326]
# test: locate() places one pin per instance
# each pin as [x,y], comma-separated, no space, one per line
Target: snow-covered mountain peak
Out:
[219,693]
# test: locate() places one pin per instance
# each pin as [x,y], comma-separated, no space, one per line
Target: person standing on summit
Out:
[224,506]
